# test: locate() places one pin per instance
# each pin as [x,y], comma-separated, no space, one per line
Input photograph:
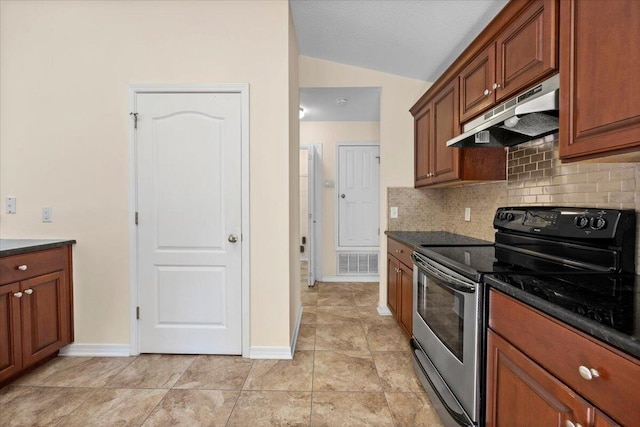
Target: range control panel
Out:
[581,223]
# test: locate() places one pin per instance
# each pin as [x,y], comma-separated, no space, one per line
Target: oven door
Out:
[446,327]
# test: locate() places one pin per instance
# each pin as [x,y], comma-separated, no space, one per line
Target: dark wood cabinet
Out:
[599,81]
[436,121]
[400,284]
[523,394]
[35,309]
[524,52]
[530,351]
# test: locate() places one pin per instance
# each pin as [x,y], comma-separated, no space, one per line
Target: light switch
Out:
[393,212]
[47,214]
[329,184]
[467,214]
[10,205]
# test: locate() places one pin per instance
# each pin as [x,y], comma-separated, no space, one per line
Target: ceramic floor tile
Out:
[385,336]
[111,407]
[395,369]
[343,287]
[336,298]
[93,372]
[289,375]
[39,406]
[370,315]
[345,336]
[309,315]
[208,408]
[344,371]
[271,408]
[216,373]
[306,338]
[350,409]
[152,371]
[57,364]
[412,410]
[10,392]
[366,299]
[309,298]
[328,315]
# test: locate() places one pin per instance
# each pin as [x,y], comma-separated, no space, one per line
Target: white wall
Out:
[396,125]
[329,134]
[65,68]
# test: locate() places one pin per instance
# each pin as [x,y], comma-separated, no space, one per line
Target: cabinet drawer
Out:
[37,263]
[400,251]
[562,351]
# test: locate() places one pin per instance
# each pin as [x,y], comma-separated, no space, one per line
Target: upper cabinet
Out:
[523,53]
[599,79]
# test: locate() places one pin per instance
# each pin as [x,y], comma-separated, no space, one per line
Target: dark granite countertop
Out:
[415,239]
[21,246]
[619,311]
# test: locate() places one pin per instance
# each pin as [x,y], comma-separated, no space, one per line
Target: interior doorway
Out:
[310,217]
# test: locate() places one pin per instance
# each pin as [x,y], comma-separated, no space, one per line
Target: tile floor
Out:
[352,367]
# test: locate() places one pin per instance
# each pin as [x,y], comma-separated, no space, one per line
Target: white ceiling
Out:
[411,38]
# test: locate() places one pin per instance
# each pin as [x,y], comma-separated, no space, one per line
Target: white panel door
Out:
[189,209]
[358,196]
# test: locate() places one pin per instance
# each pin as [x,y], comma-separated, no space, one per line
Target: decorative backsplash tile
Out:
[535,176]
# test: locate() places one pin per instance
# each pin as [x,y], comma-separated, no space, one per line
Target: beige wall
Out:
[396,125]
[64,71]
[329,134]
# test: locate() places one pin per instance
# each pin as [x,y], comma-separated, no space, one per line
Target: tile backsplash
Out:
[535,176]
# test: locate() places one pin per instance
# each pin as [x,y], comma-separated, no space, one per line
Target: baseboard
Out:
[349,279]
[384,311]
[266,352]
[96,350]
[296,330]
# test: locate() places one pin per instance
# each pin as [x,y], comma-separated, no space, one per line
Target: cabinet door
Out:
[521,393]
[527,50]
[423,137]
[599,83]
[45,321]
[393,265]
[603,421]
[406,299]
[476,84]
[446,125]
[10,339]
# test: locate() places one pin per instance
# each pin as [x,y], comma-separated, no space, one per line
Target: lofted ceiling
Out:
[411,38]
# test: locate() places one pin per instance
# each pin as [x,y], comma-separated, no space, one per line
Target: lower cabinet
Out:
[400,285]
[535,372]
[35,313]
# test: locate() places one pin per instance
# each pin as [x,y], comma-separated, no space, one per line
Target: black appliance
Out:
[559,251]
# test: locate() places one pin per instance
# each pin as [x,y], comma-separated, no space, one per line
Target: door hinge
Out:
[137,312]
[136,218]
[135,120]
[378,157]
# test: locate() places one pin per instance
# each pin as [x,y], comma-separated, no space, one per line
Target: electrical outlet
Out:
[10,205]
[393,212]
[47,214]
[467,214]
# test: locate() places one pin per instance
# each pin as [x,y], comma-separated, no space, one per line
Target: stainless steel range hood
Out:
[529,115]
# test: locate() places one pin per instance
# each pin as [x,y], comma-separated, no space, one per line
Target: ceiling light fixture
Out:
[341,101]
[301,115]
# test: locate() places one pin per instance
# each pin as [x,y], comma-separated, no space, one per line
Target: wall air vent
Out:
[358,264]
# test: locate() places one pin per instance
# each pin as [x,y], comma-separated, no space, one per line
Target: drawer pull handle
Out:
[571,424]
[588,374]
[28,291]
[22,267]
[18,295]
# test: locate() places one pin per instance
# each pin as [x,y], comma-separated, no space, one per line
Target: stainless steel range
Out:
[449,321]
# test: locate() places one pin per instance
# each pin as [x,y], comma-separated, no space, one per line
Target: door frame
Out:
[316,204]
[243,90]
[339,248]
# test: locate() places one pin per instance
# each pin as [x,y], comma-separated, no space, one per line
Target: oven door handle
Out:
[450,281]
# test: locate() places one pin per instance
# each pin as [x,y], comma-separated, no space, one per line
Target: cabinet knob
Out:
[28,291]
[486,92]
[588,373]
[569,423]
[18,295]
[22,267]
[495,86]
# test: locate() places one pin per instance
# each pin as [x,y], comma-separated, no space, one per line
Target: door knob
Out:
[343,196]
[233,238]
